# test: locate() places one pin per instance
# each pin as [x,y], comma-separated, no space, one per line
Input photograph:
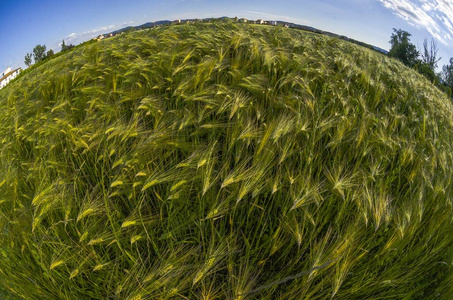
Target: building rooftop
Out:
[8,74]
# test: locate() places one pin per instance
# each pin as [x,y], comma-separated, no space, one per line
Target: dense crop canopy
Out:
[225,161]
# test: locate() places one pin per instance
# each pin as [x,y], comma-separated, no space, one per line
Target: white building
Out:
[8,75]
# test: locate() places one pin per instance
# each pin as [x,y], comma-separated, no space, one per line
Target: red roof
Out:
[8,74]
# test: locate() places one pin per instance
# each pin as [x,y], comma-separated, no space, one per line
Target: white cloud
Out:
[433,15]
[77,38]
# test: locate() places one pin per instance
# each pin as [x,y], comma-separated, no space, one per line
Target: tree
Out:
[429,55]
[39,52]
[402,48]
[425,69]
[65,47]
[447,74]
[49,53]
[28,58]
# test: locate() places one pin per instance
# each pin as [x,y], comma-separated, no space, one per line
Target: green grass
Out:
[225,161]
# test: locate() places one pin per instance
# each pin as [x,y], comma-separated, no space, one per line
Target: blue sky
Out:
[24,24]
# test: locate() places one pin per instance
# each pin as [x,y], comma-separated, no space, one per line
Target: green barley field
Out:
[225,161]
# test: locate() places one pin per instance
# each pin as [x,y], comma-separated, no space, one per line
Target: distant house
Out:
[8,75]
[273,23]
[243,20]
[100,37]
[259,21]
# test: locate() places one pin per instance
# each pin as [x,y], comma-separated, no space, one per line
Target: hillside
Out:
[225,161]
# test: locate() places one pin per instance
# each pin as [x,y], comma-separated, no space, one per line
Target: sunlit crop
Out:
[225,161]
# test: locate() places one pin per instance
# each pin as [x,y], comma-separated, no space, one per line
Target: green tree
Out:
[429,54]
[50,53]
[425,69]
[39,52]
[28,59]
[447,74]
[402,48]
[65,47]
